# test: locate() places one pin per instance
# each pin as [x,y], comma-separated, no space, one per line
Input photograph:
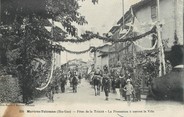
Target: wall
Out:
[170,17]
[112,57]
[179,19]
[142,22]
[105,61]
[100,60]
[167,15]
[97,60]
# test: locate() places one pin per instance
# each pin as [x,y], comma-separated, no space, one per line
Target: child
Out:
[129,89]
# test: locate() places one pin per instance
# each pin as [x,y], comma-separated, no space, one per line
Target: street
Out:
[85,94]
[85,103]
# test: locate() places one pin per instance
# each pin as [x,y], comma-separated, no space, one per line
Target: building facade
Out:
[101,58]
[142,16]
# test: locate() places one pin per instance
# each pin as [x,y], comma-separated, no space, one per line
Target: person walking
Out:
[129,90]
[106,87]
[63,82]
[97,81]
[75,83]
[113,84]
[117,86]
[97,84]
[122,85]
[80,77]
[50,92]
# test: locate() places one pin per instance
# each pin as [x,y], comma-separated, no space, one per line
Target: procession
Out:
[79,51]
[101,82]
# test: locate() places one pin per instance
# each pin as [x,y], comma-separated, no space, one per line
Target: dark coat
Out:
[74,80]
[117,83]
[168,87]
[106,83]
[96,81]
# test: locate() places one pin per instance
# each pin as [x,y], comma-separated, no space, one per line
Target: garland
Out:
[92,49]
[153,30]
[147,52]
[49,77]
[112,52]
[89,35]
[78,52]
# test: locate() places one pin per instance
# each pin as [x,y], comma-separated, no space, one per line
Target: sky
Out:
[101,18]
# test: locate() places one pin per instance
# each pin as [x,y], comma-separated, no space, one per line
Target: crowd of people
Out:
[122,85]
[60,81]
[168,87]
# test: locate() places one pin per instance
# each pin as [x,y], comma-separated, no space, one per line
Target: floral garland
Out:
[93,49]
[59,48]
[89,35]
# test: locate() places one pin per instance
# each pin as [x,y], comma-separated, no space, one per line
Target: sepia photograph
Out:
[91,58]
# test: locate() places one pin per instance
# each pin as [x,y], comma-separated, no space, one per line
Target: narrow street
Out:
[85,103]
[85,100]
[85,94]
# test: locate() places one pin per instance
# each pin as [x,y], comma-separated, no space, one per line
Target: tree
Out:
[24,37]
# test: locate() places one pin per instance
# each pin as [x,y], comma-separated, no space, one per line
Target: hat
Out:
[128,80]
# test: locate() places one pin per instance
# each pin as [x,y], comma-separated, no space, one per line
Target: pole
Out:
[160,46]
[158,33]
[123,13]
[52,36]
[0,11]
[134,59]
[60,57]
[158,10]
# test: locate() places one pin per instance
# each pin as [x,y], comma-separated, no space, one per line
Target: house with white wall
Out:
[142,16]
[101,58]
[171,18]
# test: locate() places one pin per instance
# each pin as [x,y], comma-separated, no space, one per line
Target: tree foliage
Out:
[24,36]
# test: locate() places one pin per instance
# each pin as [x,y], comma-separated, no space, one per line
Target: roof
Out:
[140,4]
[127,16]
[135,8]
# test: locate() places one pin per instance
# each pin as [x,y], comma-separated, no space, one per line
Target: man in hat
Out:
[170,86]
